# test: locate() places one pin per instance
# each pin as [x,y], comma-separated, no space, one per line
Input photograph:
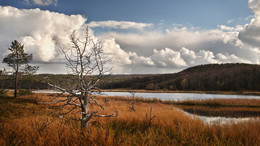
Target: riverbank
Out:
[257,93]
[26,121]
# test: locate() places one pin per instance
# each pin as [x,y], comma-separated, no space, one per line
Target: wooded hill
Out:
[211,77]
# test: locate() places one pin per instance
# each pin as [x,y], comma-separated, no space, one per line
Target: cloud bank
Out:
[180,47]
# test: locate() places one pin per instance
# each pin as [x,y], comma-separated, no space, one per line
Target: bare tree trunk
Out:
[85,117]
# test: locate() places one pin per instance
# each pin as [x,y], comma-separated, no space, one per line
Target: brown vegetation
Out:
[24,121]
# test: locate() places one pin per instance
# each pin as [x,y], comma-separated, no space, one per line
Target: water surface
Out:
[180,96]
[168,96]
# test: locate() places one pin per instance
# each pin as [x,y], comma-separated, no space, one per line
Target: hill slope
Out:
[210,77]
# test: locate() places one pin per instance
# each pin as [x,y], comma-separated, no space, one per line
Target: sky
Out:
[141,36]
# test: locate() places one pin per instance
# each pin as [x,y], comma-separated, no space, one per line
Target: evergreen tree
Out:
[19,60]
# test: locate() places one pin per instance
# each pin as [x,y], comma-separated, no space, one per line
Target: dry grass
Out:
[24,121]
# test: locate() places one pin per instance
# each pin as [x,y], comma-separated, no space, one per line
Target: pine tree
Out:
[19,60]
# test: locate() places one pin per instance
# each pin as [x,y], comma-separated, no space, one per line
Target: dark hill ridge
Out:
[210,77]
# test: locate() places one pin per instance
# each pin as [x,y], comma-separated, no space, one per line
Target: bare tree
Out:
[132,105]
[86,59]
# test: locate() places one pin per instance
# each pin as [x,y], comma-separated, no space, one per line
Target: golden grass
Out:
[30,123]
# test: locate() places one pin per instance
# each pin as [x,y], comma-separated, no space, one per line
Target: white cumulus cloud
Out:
[40,31]
[168,58]
[112,49]
[251,32]
[140,60]
[255,6]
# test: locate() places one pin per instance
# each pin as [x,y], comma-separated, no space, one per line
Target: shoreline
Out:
[255,93]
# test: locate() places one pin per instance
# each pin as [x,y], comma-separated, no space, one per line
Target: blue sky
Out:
[143,36]
[198,13]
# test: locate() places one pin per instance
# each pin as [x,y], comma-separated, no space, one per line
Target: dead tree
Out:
[86,59]
[132,105]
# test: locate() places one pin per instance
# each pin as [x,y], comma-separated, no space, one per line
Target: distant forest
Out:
[210,77]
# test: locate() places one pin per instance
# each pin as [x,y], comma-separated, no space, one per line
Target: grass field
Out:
[26,121]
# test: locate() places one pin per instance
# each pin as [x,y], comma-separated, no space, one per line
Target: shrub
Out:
[3,92]
[23,92]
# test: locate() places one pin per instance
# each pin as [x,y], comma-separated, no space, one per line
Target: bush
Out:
[3,92]
[23,92]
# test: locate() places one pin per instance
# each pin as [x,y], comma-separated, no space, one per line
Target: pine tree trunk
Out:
[15,84]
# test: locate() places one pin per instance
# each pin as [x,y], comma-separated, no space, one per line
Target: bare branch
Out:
[63,90]
[96,103]
[62,115]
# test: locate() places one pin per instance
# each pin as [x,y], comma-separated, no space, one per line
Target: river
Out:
[168,96]
[180,96]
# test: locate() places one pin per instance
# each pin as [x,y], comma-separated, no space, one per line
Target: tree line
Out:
[211,77]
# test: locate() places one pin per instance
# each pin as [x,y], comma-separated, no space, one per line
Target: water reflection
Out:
[218,120]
